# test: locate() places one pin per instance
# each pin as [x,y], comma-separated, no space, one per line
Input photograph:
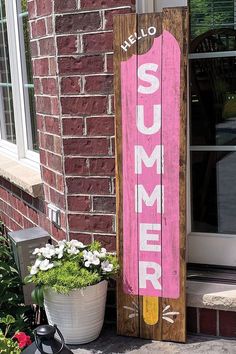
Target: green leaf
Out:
[9,319]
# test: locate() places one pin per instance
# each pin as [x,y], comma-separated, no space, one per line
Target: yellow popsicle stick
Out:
[151,310]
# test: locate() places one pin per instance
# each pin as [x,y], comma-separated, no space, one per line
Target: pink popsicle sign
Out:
[150,91]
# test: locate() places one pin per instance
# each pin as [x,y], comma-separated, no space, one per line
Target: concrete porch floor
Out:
[110,343]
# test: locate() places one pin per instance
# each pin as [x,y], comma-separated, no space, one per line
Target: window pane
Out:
[213,192]
[210,15]
[6,105]
[213,101]
[27,77]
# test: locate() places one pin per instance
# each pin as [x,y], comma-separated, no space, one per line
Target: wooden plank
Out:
[150,102]
[127,304]
[175,21]
[150,319]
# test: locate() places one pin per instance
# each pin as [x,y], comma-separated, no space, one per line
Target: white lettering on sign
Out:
[149,271]
[146,238]
[151,79]
[142,196]
[156,120]
[149,161]
[132,39]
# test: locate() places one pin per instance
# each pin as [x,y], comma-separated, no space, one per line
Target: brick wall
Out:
[72,58]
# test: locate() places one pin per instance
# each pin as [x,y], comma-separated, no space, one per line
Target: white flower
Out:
[106,266]
[37,251]
[72,250]
[91,258]
[76,243]
[48,251]
[34,270]
[60,251]
[45,265]
[103,252]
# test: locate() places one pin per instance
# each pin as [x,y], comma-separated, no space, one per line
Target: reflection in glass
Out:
[6,104]
[213,191]
[213,101]
[213,14]
[28,77]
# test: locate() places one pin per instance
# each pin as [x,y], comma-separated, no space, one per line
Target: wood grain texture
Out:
[149,330]
[127,305]
[175,20]
[138,315]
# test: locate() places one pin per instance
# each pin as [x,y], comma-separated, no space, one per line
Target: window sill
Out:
[24,177]
[214,296]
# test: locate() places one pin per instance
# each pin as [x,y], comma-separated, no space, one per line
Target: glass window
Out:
[6,103]
[17,106]
[213,115]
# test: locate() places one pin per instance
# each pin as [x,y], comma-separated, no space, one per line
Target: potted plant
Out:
[71,281]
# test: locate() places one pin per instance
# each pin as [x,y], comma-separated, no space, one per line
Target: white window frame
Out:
[18,151]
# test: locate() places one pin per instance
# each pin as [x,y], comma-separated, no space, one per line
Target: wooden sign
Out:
[150,101]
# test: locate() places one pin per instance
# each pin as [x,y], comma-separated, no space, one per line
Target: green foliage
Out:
[67,277]
[8,345]
[69,266]
[208,14]
[11,294]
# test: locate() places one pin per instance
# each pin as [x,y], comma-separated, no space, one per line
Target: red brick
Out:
[49,177]
[34,49]
[84,105]
[101,4]
[73,126]
[81,22]
[113,146]
[54,162]
[82,64]
[58,234]
[44,222]
[43,157]
[85,238]
[53,66]
[47,46]
[192,319]
[18,218]
[86,146]
[46,141]
[76,166]
[60,183]
[37,87]
[57,144]
[109,16]
[67,45]
[41,67]
[63,6]
[44,7]
[227,324]
[207,321]
[79,185]
[80,203]
[107,241]
[102,167]
[100,126]
[31,9]
[55,108]
[52,125]
[28,224]
[99,223]
[110,66]
[43,104]
[98,42]
[32,215]
[40,122]
[49,86]
[57,198]
[70,85]
[49,25]
[38,28]
[104,204]
[99,84]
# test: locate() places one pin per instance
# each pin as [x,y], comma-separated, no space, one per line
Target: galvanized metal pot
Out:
[80,314]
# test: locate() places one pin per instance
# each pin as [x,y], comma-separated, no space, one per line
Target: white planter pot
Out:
[78,315]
